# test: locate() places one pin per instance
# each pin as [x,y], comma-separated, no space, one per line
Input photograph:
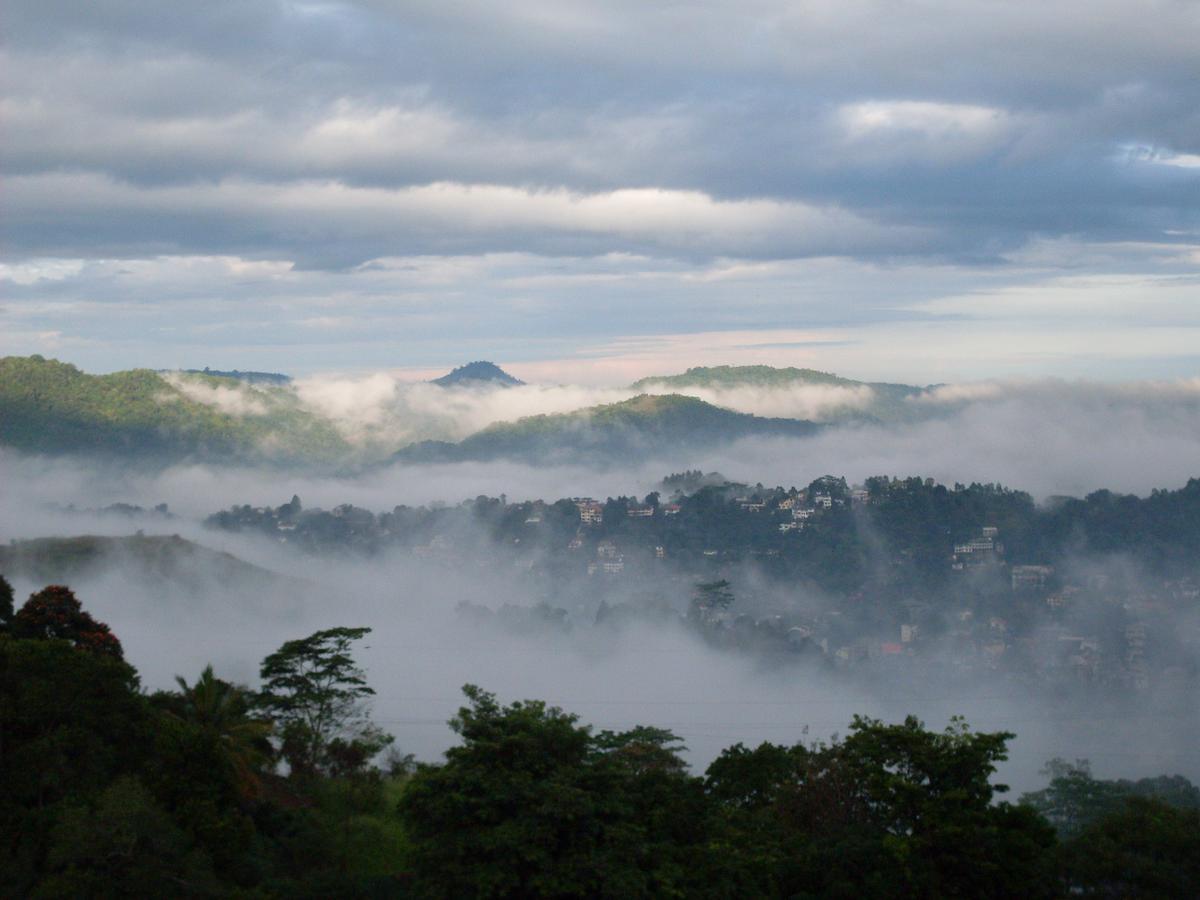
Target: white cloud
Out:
[1158,156]
[448,214]
[35,270]
[390,409]
[922,131]
[817,402]
[234,400]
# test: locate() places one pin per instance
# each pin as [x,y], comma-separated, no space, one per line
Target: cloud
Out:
[702,142]
[234,400]
[362,223]
[817,402]
[922,131]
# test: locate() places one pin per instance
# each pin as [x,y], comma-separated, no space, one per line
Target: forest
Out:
[216,789]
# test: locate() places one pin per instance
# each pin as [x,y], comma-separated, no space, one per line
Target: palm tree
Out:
[222,710]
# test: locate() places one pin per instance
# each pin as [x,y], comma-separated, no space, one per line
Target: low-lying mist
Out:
[1045,437]
[386,412]
[423,649]
[1048,438]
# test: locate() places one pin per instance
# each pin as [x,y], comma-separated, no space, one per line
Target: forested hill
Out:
[162,559]
[609,433]
[872,400]
[762,376]
[239,375]
[52,407]
[480,372]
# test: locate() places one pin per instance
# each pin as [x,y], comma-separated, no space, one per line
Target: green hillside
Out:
[888,403]
[743,376]
[52,407]
[154,559]
[643,424]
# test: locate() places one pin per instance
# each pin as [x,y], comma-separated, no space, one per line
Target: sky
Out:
[590,192]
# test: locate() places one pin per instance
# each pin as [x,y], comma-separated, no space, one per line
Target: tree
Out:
[890,811]
[6,604]
[124,845]
[1145,848]
[532,804]
[709,599]
[69,723]
[54,612]
[1073,799]
[316,693]
[222,712]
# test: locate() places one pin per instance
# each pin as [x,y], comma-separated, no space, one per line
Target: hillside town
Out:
[969,581]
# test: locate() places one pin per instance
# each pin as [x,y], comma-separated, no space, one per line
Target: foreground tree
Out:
[222,712]
[1074,798]
[890,811]
[317,694]
[6,604]
[70,722]
[1145,848]
[533,805]
[54,612]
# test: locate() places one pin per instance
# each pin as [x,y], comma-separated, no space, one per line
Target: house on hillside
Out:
[1026,578]
[590,512]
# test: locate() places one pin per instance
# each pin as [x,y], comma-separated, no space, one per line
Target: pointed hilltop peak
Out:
[481,372]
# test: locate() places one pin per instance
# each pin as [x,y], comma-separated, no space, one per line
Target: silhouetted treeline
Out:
[215,790]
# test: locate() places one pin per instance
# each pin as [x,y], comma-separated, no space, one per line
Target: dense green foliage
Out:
[277,378]
[313,691]
[106,791]
[613,431]
[1074,800]
[534,805]
[739,376]
[1146,849]
[51,407]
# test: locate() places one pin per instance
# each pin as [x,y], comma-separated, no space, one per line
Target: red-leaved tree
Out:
[55,612]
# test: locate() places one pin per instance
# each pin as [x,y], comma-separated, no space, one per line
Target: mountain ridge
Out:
[611,431]
[886,402]
[169,559]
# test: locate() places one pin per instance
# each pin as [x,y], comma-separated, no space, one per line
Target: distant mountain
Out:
[743,376]
[885,402]
[615,432]
[167,560]
[248,377]
[47,406]
[481,372]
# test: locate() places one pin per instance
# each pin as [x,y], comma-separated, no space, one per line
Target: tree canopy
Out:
[316,693]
